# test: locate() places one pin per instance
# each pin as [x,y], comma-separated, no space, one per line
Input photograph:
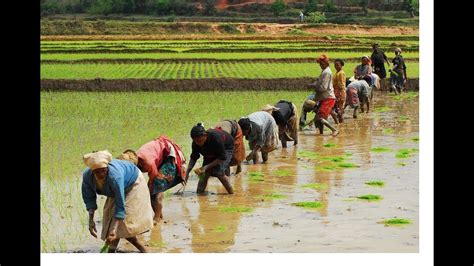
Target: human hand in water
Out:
[111,237]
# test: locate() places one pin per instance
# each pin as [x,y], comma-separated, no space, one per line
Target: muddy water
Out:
[343,224]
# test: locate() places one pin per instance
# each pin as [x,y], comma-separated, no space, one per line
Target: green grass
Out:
[397,221]
[405,153]
[235,209]
[282,173]
[370,197]
[315,186]
[309,204]
[189,70]
[375,183]
[380,149]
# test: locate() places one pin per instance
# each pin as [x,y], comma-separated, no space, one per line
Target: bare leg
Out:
[239,169]
[264,156]
[202,184]
[354,115]
[333,129]
[368,106]
[225,182]
[134,241]
[334,117]
[158,207]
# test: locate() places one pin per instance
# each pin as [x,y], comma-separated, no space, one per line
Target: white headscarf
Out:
[98,159]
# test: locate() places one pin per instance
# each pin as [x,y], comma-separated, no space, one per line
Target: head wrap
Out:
[398,50]
[323,58]
[309,105]
[98,159]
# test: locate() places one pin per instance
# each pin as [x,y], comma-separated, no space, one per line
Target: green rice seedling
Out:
[396,222]
[335,159]
[282,173]
[382,109]
[315,186]
[272,196]
[375,183]
[405,153]
[220,229]
[235,209]
[309,204]
[256,176]
[380,149]
[105,248]
[370,197]
[307,154]
[387,131]
[403,118]
[329,145]
[347,165]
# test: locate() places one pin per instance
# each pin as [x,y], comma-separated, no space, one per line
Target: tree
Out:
[162,7]
[278,7]
[311,6]
[103,7]
[316,17]
[210,7]
[364,4]
[329,6]
[410,6]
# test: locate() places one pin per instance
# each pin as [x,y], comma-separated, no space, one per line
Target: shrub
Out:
[278,7]
[316,17]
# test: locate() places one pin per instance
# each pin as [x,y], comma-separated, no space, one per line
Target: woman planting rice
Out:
[306,108]
[358,93]
[398,74]
[217,148]
[164,162]
[324,95]
[360,71]
[261,130]
[233,128]
[286,117]
[127,210]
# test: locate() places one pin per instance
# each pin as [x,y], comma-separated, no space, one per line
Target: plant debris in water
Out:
[380,149]
[235,209]
[396,221]
[220,229]
[256,176]
[401,164]
[416,139]
[282,173]
[329,145]
[370,197]
[315,186]
[387,130]
[375,183]
[405,153]
[308,204]
[406,95]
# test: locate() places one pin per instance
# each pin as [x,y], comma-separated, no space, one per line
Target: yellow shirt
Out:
[339,81]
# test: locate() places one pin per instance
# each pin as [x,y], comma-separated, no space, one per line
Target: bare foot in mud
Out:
[335,133]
